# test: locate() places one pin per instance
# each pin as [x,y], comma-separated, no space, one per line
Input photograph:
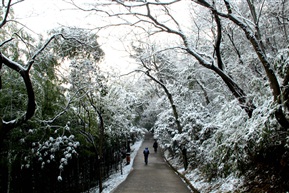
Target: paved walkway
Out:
[156,177]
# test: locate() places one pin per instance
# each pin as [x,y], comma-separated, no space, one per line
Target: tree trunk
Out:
[99,173]
[185,158]
[204,91]
[256,42]
[239,94]
[175,113]
[260,51]
[101,138]
[246,104]
[9,168]
[6,126]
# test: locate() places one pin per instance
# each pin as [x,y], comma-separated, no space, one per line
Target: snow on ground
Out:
[115,179]
[228,184]
[225,185]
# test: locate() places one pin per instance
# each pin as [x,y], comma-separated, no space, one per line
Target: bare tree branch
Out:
[7,126]
[218,41]
[6,41]
[147,3]
[231,38]
[4,20]
[201,57]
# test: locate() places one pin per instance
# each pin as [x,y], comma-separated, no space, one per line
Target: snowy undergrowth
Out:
[226,155]
[117,178]
[219,147]
[200,181]
[228,184]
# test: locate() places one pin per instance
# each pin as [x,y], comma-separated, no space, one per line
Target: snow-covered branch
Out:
[7,10]
[7,126]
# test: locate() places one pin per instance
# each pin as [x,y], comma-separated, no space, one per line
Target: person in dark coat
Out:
[155,146]
[146,153]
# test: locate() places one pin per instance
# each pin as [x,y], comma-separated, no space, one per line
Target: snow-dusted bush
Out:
[193,121]
[237,139]
[219,145]
[281,62]
[59,147]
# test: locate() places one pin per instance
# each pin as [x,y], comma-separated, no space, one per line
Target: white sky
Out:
[43,15]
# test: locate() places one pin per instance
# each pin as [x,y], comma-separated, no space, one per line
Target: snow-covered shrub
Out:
[165,129]
[193,121]
[281,62]
[136,133]
[59,147]
[236,139]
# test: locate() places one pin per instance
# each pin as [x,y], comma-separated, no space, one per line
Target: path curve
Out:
[156,177]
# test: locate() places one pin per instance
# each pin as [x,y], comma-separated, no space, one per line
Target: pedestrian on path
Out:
[156,177]
[155,145]
[146,153]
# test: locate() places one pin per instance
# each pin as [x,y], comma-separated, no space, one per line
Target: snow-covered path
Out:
[115,179]
[156,177]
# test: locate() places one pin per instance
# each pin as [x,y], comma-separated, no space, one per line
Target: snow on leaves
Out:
[60,148]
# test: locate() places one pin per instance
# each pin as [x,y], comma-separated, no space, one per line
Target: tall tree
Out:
[152,66]
[253,34]
[144,14]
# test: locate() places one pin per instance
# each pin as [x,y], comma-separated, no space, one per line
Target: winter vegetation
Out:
[210,80]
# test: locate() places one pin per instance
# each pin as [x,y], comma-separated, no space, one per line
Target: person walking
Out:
[146,153]
[155,146]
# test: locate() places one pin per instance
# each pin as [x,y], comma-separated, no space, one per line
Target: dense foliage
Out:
[220,76]
[81,124]
[212,84]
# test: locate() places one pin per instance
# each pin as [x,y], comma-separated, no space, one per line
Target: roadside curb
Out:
[192,188]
